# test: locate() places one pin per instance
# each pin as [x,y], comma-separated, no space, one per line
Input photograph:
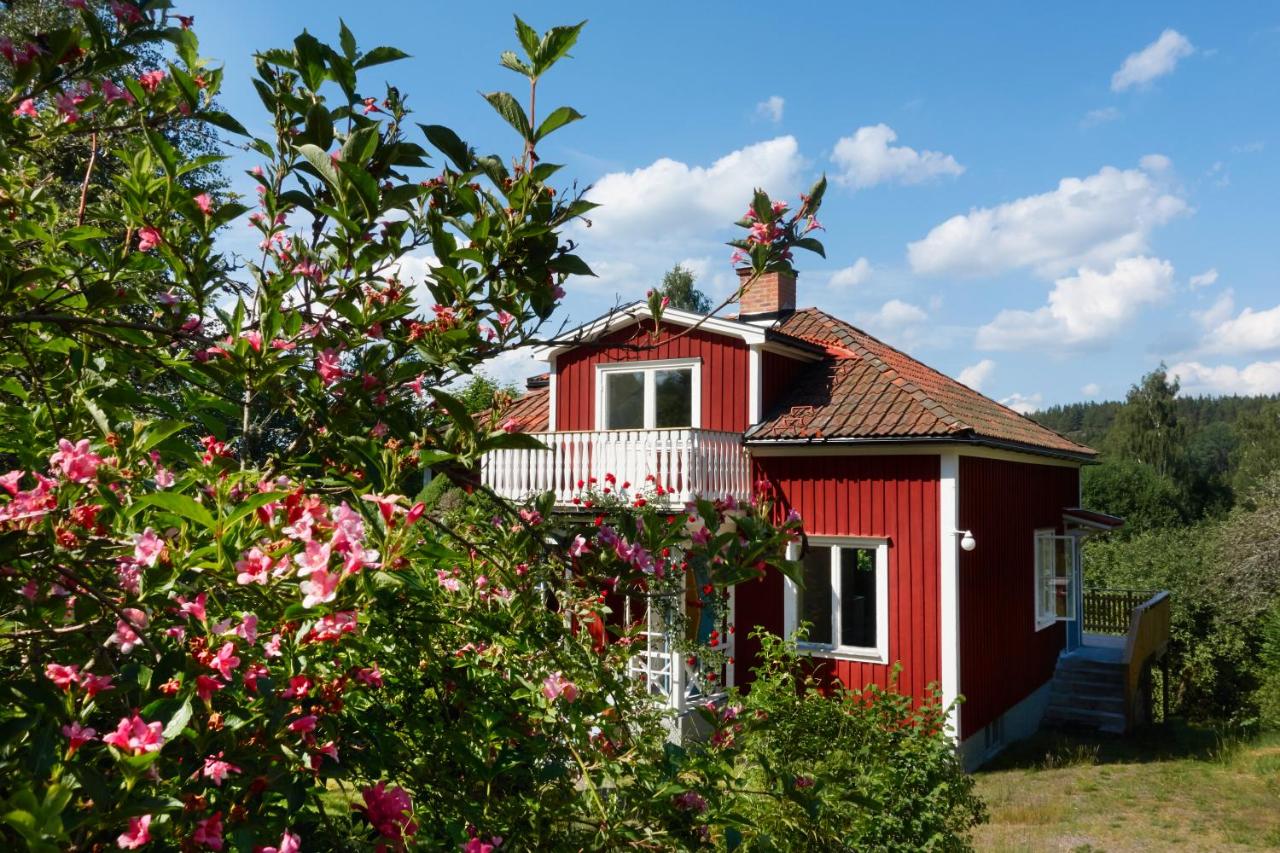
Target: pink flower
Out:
[151,80]
[149,238]
[289,843]
[320,587]
[76,462]
[217,769]
[126,13]
[206,686]
[254,338]
[112,92]
[95,684]
[253,567]
[26,109]
[304,725]
[63,676]
[205,203]
[556,685]
[271,648]
[314,557]
[225,660]
[328,368]
[511,425]
[195,607]
[78,736]
[147,547]
[136,736]
[702,535]
[371,676]
[579,546]
[389,811]
[299,686]
[125,636]
[333,626]
[247,630]
[478,845]
[209,832]
[9,482]
[139,833]
[388,505]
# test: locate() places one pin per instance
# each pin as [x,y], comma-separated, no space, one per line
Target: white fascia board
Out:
[637,311]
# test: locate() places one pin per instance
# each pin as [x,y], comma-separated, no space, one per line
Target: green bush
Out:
[835,769]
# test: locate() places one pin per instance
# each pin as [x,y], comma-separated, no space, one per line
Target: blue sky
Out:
[1044,201]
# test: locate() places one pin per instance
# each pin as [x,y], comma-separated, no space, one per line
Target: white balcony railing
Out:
[687,463]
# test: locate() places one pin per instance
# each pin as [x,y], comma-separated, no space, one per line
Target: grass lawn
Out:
[1171,787]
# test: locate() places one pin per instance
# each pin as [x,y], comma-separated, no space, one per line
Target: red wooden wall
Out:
[778,372]
[1003,658]
[881,496]
[724,373]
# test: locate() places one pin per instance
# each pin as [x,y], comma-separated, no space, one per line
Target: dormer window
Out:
[649,394]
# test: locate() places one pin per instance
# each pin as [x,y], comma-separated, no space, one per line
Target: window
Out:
[1055,578]
[649,395]
[845,598]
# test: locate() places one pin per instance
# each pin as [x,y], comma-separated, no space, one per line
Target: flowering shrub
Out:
[227,625]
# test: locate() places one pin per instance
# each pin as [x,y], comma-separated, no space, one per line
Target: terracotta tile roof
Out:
[867,389]
[532,409]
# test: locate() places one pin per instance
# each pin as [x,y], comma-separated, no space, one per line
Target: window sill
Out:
[857,655]
[1041,624]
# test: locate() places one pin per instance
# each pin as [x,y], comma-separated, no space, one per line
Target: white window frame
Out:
[1043,620]
[790,617]
[649,368]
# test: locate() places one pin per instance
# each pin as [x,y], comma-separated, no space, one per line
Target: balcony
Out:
[687,463]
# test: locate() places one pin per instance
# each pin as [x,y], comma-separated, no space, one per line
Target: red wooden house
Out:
[942,528]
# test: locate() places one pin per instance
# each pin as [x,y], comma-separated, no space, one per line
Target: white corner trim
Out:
[755,388]
[551,394]
[949,582]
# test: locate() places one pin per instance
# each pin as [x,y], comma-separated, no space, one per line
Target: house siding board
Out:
[778,373]
[724,373]
[1003,658]
[895,497]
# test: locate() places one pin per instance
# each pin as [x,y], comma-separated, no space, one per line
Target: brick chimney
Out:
[770,296]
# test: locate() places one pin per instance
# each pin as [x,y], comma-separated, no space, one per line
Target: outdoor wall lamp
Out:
[967,542]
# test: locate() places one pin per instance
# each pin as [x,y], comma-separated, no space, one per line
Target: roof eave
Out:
[974,440]
[628,314]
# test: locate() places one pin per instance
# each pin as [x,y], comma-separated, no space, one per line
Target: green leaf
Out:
[509,108]
[310,60]
[321,162]
[571,264]
[455,407]
[450,145]
[379,56]
[180,505]
[528,36]
[178,721]
[555,45]
[558,118]
[510,61]
[249,505]
[347,40]
[811,245]
[217,118]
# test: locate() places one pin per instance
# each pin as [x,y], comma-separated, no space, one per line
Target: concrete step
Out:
[1106,702]
[1104,721]
[1089,666]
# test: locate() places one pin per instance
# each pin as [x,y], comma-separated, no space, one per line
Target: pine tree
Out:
[678,286]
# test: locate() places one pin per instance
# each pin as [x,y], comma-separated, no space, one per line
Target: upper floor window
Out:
[649,395]
[1055,578]
[845,598]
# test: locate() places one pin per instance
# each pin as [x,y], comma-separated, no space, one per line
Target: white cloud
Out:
[1249,147]
[771,108]
[894,314]
[1086,308]
[867,158]
[1091,221]
[1093,389]
[669,200]
[1249,331]
[1093,118]
[1024,404]
[976,375]
[1155,60]
[1155,163]
[852,276]
[1261,377]
[1206,278]
[1219,312]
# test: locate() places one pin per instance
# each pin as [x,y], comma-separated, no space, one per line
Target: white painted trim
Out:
[907,448]
[1040,622]
[551,394]
[949,581]
[880,653]
[649,368]
[755,387]
[638,311]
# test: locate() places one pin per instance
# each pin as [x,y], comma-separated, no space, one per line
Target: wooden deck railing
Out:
[687,463]
[1147,642]
[1109,611]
